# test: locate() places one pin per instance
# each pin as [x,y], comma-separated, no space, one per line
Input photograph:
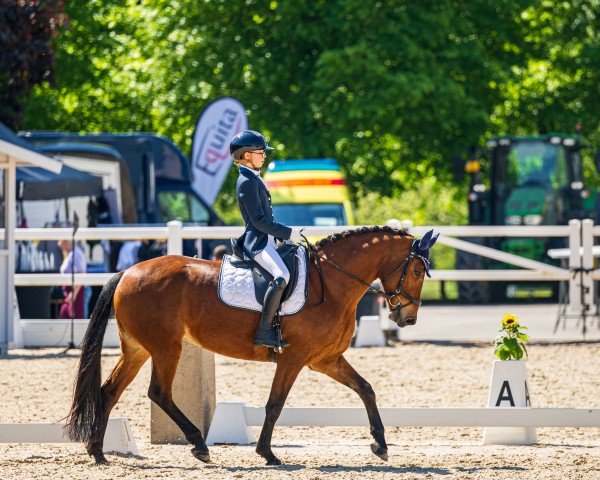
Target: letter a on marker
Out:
[508,395]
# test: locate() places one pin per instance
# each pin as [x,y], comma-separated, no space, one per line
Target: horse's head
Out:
[403,283]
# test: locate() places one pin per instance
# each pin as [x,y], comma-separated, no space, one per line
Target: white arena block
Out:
[118,438]
[369,333]
[229,426]
[57,332]
[509,388]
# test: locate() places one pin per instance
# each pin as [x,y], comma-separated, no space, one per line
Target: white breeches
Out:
[270,260]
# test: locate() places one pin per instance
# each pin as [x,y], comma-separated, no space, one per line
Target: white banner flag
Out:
[211,160]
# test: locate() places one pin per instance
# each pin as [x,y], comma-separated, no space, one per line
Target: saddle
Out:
[261,277]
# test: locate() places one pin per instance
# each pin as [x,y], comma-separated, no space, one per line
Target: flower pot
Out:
[509,388]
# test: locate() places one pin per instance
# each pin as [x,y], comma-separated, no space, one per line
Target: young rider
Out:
[248,150]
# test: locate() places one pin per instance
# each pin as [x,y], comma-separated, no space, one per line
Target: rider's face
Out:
[256,158]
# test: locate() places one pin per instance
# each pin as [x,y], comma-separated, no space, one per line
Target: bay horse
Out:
[160,302]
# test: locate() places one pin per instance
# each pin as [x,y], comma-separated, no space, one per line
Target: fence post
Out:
[194,392]
[587,242]
[194,383]
[174,241]
[574,265]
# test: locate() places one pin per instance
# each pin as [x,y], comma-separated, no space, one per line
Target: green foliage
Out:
[26,53]
[557,88]
[393,90]
[431,202]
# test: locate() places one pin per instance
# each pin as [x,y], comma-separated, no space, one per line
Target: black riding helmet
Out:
[246,141]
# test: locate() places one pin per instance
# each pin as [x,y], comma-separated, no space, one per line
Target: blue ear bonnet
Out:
[421,248]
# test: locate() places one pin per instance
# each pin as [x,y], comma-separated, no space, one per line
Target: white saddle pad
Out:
[236,287]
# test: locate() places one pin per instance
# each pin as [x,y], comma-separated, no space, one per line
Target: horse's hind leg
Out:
[341,371]
[285,376]
[128,365]
[164,367]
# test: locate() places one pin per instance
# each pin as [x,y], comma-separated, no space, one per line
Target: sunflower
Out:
[510,320]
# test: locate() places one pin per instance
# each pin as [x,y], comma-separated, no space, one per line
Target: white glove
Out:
[295,236]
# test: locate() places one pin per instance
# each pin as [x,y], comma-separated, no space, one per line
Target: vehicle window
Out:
[199,211]
[538,163]
[310,214]
[182,206]
[577,167]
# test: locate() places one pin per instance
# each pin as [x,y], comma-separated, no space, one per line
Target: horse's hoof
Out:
[273,461]
[98,455]
[100,460]
[379,451]
[202,455]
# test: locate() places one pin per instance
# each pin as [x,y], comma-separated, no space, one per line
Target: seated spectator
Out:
[151,249]
[128,254]
[73,305]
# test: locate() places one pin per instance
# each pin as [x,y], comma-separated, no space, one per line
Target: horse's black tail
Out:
[85,417]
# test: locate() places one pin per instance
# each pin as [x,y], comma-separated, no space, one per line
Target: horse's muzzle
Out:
[400,320]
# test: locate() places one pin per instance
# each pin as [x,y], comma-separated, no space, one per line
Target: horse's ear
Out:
[433,240]
[424,242]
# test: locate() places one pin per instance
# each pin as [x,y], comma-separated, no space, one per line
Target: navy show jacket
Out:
[255,204]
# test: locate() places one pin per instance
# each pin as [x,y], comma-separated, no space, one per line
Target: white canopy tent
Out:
[11,156]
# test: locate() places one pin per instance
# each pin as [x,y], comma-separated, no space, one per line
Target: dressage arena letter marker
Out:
[508,388]
[229,426]
[369,333]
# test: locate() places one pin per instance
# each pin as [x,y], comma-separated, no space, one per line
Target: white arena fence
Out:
[231,421]
[119,435]
[580,235]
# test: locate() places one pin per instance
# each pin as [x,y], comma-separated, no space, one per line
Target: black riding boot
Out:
[265,335]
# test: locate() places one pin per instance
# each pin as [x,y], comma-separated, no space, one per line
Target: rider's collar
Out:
[255,172]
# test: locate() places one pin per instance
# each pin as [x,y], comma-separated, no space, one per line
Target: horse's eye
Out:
[417,272]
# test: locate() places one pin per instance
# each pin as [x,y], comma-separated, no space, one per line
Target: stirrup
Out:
[279,348]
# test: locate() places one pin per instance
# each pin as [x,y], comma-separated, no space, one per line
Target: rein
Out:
[382,293]
[312,250]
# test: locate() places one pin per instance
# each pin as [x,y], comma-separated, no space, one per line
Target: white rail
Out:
[580,235]
[231,421]
[432,417]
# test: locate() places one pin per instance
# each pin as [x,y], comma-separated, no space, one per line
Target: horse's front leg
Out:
[285,376]
[341,371]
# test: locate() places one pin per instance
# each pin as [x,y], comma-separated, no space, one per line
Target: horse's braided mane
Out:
[358,231]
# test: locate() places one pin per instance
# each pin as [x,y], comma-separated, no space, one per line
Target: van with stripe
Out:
[309,192]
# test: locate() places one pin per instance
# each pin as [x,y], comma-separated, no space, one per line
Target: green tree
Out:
[391,89]
[557,88]
[26,53]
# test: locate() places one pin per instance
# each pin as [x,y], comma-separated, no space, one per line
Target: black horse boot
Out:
[265,335]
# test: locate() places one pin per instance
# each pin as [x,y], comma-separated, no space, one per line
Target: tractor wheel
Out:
[472,291]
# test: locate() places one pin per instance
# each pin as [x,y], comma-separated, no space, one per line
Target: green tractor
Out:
[533,180]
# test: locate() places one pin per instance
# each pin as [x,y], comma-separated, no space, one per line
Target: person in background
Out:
[74,261]
[128,255]
[219,252]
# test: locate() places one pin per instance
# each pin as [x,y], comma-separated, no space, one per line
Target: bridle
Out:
[400,288]
[388,296]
